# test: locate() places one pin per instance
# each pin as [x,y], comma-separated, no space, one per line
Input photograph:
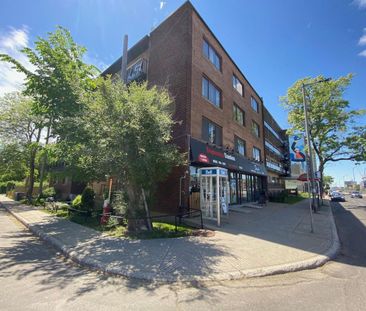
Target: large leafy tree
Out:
[125,132]
[336,132]
[13,165]
[56,84]
[20,134]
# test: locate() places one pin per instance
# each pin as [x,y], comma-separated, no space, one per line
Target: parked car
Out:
[337,196]
[356,194]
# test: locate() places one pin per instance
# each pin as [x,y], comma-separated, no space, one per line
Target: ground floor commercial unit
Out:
[246,179]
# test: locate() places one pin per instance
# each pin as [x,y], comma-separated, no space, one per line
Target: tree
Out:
[327,181]
[21,128]
[12,162]
[126,132]
[335,135]
[56,84]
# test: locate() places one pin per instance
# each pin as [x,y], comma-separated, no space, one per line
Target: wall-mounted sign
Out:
[207,154]
[297,152]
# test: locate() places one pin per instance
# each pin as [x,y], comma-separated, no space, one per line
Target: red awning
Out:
[304,177]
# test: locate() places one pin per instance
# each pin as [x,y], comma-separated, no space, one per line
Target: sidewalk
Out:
[254,242]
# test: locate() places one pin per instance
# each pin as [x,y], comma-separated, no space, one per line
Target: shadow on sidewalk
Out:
[352,234]
[26,257]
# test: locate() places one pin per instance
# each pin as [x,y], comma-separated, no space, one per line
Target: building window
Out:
[255,129]
[211,55]
[256,154]
[237,85]
[240,146]
[254,104]
[211,92]
[239,115]
[211,132]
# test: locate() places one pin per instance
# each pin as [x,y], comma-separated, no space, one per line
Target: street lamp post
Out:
[310,169]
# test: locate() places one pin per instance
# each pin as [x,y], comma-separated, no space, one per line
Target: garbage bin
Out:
[19,196]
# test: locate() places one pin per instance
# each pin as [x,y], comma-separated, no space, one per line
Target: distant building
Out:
[351,184]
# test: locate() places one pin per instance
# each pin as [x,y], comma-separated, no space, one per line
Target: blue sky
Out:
[273,42]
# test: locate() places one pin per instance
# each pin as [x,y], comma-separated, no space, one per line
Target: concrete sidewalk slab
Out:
[275,239]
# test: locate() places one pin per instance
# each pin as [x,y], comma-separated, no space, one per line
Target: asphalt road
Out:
[34,277]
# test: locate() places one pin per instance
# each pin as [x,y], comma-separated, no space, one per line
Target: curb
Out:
[311,263]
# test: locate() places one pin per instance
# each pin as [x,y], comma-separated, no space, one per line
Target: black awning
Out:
[207,154]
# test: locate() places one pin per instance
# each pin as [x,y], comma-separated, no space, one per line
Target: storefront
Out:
[246,178]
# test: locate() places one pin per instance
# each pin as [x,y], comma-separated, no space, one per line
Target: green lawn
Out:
[160,229]
[294,199]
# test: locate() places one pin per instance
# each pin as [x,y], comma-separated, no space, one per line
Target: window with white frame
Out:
[238,114]
[237,85]
[254,104]
[255,129]
[240,146]
[211,54]
[256,154]
[211,92]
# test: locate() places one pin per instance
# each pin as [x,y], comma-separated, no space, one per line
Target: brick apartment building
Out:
[276,153]
[221,115]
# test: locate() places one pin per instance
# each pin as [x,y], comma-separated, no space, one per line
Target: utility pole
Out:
[310,169]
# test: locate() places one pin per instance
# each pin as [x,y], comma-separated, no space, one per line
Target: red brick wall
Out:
[223,117]
[170,66]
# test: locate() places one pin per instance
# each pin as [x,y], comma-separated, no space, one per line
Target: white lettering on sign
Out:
[229,157]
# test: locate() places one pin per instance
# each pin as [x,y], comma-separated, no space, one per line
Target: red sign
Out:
[214,152]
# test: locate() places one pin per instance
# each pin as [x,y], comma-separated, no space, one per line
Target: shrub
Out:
[48,192]
[39,202]
[87,199]
[76,203]
[10,185]
[2,187]
[119,202]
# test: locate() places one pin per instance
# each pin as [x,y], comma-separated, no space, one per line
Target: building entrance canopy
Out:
[209,155]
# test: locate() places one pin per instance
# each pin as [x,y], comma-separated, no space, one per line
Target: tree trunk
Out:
[148,219]
[43,165]
[132,206]
[32,162]
[321,182]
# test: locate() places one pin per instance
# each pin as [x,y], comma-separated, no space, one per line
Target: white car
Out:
[356,194]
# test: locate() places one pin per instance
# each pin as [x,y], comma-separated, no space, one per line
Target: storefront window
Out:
[233,189]
[194,183]
[243,188]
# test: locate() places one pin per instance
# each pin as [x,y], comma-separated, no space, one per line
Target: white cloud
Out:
[362,40]
[360,3]
[363,53]
[11,42]
[94,60]
[163,3]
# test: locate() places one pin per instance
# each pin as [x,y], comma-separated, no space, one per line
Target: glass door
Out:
[243,188]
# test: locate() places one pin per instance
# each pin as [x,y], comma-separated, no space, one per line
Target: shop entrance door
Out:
[214,193]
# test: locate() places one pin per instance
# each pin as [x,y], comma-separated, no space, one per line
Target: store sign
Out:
[204,153]
[135,71]
[221,172]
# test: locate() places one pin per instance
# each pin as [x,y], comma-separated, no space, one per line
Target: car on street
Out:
[356,194]
[337,196]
